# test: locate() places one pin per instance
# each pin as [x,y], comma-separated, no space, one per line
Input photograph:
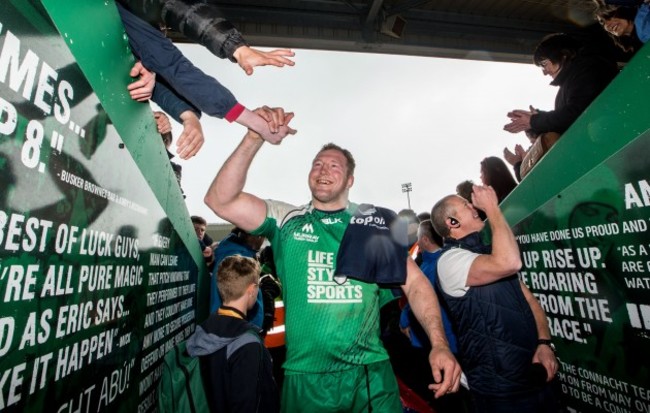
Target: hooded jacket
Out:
[236,368]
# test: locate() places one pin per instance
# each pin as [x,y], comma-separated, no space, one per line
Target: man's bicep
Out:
[485,270]
[247,212]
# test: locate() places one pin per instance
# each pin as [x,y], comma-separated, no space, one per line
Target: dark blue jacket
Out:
[496,331]
[180,78]
[407,319]
[236,368]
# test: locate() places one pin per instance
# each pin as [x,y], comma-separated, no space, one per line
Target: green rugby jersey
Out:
[329,327]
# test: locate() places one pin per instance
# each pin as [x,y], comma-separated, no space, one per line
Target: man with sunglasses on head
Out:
[335,359]
[504,342]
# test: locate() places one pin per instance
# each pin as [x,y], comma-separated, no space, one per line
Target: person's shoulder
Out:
[453,255]
[280,209]
[225,326]
[591,64]
[369,209]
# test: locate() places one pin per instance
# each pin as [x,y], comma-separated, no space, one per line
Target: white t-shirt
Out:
[453,270]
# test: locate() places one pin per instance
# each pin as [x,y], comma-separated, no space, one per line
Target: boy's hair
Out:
[234,275]
[198,220]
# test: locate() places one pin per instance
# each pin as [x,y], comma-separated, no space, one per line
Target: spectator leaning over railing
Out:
[580,76]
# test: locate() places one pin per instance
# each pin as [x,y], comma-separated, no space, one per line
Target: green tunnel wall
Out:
[100,269]
[582,219]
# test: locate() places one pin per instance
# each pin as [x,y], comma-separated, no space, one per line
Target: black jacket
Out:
[580,81]
[238,382]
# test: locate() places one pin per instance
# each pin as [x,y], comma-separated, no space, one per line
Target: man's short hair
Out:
[234,275]
[348,155]
[198,220]
[424,216]
[426,230]
[439,214]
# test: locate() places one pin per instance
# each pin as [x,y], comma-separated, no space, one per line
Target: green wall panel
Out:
[100,269]
[582,219]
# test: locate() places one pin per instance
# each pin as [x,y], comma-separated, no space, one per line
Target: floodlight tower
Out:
[407,187]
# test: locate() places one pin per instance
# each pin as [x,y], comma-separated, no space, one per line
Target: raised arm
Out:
[504,259]
[226,196]
[424,303]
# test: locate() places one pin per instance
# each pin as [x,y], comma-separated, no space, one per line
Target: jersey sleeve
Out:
[453,270]
[276,214]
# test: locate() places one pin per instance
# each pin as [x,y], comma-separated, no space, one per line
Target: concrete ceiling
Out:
[499,30]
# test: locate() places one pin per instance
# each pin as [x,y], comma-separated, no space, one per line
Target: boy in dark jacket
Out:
[236,377]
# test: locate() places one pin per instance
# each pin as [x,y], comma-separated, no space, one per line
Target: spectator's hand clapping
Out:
[191,139]
[248,58]
[162,122]
[520,151]
[519,120]
[142,89]
[511,158]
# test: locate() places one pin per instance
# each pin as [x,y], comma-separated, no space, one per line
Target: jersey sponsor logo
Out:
[331,221]
[321,287]
[374,221]
[306,233]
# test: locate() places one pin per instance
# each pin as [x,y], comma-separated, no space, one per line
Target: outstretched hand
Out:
[142,89]
[191,139]
[248,58]
[446,371]
[269,124]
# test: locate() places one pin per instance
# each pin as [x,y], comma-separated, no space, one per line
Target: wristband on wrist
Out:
[546,342]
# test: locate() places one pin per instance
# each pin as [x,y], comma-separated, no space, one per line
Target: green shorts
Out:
[359,389]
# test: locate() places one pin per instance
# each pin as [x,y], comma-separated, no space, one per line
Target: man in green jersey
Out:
[335,359]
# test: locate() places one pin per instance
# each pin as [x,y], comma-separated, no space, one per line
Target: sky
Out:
[419,120]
